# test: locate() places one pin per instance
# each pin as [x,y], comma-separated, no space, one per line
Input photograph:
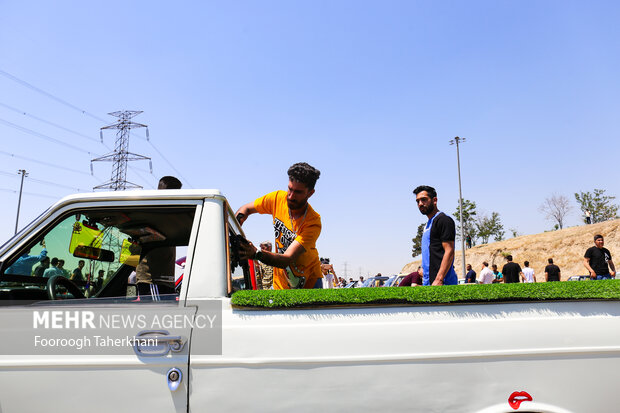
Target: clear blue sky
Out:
[369,92]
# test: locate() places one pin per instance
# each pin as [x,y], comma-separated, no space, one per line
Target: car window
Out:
[93,250]
[239,275]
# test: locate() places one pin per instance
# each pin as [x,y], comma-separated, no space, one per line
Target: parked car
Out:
[394,280]
[377,281]
[579,278]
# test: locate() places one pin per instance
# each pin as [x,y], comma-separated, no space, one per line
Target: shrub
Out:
[449,294]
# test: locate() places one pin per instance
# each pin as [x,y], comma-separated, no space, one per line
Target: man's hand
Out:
[247,250]
[241,217]
[446,262]
[243,212]
[586,263]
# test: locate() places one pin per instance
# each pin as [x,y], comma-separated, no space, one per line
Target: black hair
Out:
[509,257]
[431,191]
[597,236]
[169,182]
[526,263]
[550,260]
[304,173]
[54,261]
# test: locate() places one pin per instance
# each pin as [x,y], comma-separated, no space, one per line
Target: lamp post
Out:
[24,174]
[456,142]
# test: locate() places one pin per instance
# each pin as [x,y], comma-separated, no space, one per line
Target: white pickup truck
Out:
[62,348]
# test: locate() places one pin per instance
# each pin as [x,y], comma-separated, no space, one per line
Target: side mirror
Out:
[93,253]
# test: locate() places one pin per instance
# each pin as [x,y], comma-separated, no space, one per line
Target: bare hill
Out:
[565,246]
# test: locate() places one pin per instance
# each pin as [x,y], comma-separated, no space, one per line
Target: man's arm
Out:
[534,276]
[612,267]
[248,251]
[446,262]
[586,263]
[243,212]
[546,276]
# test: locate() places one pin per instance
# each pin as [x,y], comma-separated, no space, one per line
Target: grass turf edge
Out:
[449,294]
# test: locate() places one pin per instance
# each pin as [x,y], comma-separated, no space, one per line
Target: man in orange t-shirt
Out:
[297,227]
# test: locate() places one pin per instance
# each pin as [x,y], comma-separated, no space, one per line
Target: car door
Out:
[109,350]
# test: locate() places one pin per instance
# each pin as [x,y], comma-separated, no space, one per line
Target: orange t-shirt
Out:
[305,230]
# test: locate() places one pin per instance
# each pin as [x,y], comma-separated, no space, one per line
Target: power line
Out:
[135,170]
[49,95]
[63,102]
[56,184]
[28,193]
[170,164]
[41,181]
[21,112]
[12,155]
[43,136]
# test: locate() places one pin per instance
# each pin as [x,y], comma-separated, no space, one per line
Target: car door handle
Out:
[157,343]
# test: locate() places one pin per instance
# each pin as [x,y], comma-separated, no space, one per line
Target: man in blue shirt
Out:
[437,240]
[23,265]
[470,278]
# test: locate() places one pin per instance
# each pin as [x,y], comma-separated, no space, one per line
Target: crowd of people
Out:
[295,263]
[298,226]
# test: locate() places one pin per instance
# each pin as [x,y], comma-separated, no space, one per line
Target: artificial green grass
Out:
[448,294]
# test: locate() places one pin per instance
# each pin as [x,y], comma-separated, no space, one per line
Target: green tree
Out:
[599,204]
[469,220]
[417,241]
[488,227]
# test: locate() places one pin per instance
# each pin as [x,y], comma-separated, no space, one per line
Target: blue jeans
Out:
[318,283]
[603,277]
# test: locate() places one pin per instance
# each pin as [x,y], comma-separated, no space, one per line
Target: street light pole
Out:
[456,141]
[24,174]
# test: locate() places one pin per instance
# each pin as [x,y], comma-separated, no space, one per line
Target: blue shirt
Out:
[23,265]
[51,271]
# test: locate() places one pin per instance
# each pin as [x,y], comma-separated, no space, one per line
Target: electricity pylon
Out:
[121,154]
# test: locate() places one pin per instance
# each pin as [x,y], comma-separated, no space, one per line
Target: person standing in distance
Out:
[437,240]
[470,277]
[512,271]
[528,273]
[552,271]
[297,227]
[486,275]
[597,260]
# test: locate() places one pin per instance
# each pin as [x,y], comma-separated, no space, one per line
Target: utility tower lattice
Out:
[121,154]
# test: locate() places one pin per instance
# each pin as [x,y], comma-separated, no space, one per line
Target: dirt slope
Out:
[565,246]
